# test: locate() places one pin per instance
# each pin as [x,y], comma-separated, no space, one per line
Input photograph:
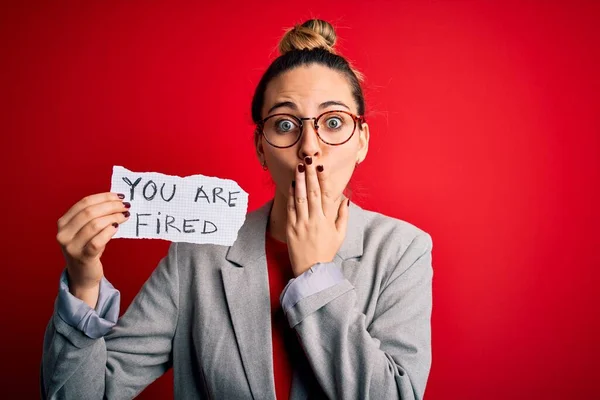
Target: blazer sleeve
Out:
[388,359]
[134,353]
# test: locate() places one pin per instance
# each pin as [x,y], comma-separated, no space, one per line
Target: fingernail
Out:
[308,160]
[115,225]
[301,168]
[320,168]
[127,204]
[348,202]
[293,184]
[121,196]
[126,214]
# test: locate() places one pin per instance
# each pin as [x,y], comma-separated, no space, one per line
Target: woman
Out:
[317,298]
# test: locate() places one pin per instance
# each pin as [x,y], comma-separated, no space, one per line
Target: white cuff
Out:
[319,277]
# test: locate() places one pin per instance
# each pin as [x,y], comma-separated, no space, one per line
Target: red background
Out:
[485,133]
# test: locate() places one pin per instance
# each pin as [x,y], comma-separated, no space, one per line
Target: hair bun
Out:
[314,33]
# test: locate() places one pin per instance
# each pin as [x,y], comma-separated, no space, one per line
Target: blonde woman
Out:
[317,298]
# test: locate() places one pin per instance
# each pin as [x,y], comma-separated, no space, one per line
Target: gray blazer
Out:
[205,311]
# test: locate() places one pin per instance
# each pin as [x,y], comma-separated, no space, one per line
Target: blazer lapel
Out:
[246,284]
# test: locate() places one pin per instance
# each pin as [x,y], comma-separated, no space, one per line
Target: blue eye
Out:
[337,123]
[285,125]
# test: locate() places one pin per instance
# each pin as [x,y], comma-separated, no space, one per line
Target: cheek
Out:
[282,164]
[342,159]
[342,167]
[283,159]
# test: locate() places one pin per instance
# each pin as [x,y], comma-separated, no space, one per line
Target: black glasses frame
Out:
[356,118]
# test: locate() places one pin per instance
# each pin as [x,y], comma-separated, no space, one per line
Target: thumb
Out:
[342,220]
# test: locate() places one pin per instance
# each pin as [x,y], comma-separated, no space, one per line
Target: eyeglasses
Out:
[284,130]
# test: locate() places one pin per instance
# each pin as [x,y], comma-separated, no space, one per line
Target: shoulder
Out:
[397,248]
[380,229]
[393,243]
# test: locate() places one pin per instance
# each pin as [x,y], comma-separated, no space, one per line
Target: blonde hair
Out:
[313,42]
[312,34]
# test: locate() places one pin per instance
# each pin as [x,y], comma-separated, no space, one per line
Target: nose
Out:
[310,145]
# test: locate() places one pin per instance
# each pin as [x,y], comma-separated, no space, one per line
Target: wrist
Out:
[89,295]
[301,269]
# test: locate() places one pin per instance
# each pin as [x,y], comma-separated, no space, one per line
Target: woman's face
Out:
[307,88]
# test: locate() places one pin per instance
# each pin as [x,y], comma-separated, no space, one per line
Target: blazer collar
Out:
[250,242]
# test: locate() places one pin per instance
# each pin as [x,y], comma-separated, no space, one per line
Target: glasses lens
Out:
[282,130]
[335,127]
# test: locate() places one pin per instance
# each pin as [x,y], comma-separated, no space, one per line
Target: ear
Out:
[258,145]
[363,143]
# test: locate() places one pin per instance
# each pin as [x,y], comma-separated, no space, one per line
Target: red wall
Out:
[485,133]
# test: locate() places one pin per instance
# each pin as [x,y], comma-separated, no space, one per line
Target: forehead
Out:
[308,86]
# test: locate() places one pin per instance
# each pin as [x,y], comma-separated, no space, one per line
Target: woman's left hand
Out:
[316,223]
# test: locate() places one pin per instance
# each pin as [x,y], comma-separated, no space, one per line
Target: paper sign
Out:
[193,209]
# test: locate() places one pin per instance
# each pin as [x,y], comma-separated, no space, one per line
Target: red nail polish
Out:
[348,202]
[115,225]
[320,168]
[308,160]
[121,196]
[126,214]
[301,168]
[127,204]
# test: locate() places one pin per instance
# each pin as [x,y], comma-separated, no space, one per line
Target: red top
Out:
[280,272]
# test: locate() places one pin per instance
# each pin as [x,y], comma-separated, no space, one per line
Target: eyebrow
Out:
[293,106]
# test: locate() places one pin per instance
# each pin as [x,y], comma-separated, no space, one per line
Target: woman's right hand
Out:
[83,233]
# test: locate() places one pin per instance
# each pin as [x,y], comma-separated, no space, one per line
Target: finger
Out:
[342,220]
[87,202]
[87,214]
[300,194]
[291,205]
[96,244]
[313,190]
[94,227]
[328,203]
